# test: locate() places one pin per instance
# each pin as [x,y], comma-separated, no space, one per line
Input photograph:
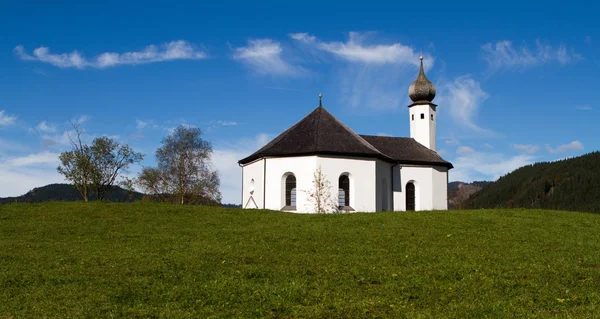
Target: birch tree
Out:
[184,169]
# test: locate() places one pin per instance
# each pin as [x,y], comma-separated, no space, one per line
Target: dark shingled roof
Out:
[406,150]
[317,133]
[321,133]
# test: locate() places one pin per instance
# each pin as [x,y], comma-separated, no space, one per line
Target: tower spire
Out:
[421,90]
[320,97]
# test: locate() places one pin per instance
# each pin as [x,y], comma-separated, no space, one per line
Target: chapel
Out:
[366,173]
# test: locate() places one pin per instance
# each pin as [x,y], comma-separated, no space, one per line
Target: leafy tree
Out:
[184,170]
[320,194]
[76,165]
[109,159]
[96,167]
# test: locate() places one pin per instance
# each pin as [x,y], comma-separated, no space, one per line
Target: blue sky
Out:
[516,82]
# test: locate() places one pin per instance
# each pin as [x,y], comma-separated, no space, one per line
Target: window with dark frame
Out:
[344,192]
[290,191]
[432,117]
[413,117]
[422,116]
[410,196]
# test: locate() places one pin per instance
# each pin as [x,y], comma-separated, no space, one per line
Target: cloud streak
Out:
[174,50]
[573,146]
[356,49]
[464,97]
[265,57]
[373,75]
[6,119]
[486,166]
[503,55]
[526,148]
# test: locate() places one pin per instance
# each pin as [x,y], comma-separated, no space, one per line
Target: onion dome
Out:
[421,90]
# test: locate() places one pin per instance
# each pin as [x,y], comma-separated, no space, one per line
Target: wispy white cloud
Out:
[34,159]
[488,146]
[80,119]
[374,74]
[452,141]
[6,119]
[573,146]
[358,49]
[140,124]
[464,97]
[584,107]
[265,57]
[503,55]
[174,50]
[526,148]
[227,123]
[464,150]
[486,166]
[21,174]
[45,127]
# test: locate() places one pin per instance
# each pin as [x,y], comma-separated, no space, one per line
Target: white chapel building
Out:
[367,173]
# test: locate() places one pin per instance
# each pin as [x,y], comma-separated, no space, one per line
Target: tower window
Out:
[422,116]
[413,117]
[432,117]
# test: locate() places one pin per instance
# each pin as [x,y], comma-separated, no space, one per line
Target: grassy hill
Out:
[570,184]
[68,193]
[158,260]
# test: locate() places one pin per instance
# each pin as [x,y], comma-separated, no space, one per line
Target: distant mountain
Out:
[569,184]
[68,193]
[458,192]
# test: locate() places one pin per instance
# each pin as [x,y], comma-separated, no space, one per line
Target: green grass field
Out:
[75,260]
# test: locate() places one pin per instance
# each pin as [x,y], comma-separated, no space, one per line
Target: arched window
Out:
[344,192]
[290,191]
[410,196]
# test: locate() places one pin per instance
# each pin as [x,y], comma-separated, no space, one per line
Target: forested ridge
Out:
[568,184]
[68,193]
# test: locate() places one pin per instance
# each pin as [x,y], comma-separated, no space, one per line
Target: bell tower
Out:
[422,111]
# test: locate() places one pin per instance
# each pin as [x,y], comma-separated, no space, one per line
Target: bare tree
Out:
[109,160]
[184,169]
[320,194]
[76,165]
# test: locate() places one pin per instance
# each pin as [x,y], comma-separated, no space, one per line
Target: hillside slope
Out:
[68,193]
[153,260]
[458,192]
[570,184]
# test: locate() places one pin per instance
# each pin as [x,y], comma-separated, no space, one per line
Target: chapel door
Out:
[410,196]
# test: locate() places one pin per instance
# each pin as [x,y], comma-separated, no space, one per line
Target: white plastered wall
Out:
[302,167]
[430,187]
[367,192]
[440,188]
[361,173]
[252,193]
[423,130]
[362,180]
